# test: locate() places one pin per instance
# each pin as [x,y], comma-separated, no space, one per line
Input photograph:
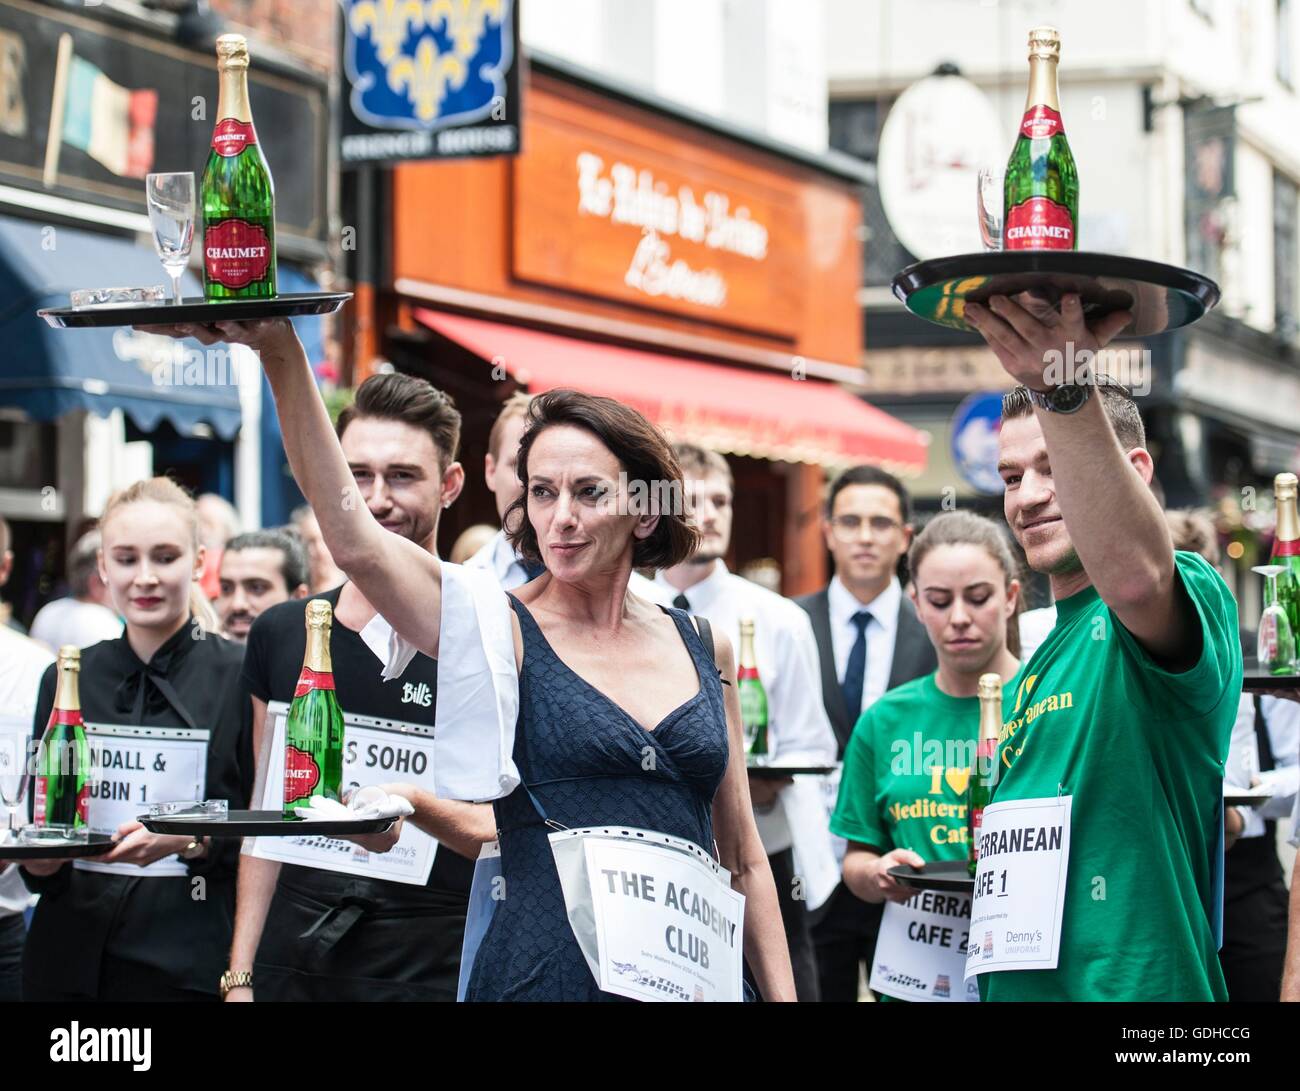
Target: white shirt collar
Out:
[503,556]
[842,605]
[700,595]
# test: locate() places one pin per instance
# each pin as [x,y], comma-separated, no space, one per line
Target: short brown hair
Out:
[512,408]
[697,461]
[395,396]
[1193,531]
[643,454]
[1121,410]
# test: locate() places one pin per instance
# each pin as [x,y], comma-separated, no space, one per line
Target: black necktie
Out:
[855,673]
[682,602]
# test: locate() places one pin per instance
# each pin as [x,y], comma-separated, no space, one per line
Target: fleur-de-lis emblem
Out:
[465,21]
[427,77]
[388,21]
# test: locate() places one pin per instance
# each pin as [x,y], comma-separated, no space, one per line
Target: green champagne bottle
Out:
[1041,189]
[62,774]
[238,195]
[1286,549]
[984,776]
[313,733]
[753,697]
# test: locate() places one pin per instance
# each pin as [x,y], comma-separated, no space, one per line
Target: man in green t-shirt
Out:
[1128,705]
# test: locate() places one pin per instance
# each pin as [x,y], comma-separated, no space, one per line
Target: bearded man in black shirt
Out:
[310,934]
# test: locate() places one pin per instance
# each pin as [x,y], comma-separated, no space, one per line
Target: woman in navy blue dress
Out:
[606,679]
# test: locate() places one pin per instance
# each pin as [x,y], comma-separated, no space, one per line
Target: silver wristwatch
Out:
[1069,398]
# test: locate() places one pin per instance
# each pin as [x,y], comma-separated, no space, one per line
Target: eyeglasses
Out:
[847,528]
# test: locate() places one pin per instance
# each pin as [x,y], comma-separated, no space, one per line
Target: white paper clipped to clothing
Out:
[478,687]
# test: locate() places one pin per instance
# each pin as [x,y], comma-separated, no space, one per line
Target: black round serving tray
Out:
[262,824]
[1255,680]
[772,771]
[947,875]
[96,844]
[1161,297]
[189,311]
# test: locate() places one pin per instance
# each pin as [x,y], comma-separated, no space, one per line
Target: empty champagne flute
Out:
[1275,643]
[171,214]
[14,774]
[988,193]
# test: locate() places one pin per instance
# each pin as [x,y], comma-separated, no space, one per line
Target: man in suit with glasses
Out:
[869,639]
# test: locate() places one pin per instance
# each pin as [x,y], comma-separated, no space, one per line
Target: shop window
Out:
[28,453]
[1285,256]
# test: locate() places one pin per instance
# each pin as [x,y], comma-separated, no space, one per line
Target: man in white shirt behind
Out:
[790,815]
[84,617]
[22,665]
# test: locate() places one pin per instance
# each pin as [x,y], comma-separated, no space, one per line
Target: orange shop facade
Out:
[704,276]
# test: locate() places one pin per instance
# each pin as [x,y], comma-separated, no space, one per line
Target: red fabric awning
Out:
[720,407]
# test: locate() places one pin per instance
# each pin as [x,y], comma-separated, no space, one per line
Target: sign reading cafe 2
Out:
[623,194]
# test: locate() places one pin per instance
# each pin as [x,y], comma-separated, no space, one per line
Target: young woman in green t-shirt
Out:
[902,796]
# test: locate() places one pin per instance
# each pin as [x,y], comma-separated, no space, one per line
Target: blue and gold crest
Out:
[428,64]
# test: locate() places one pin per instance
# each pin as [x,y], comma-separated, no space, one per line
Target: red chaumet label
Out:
[232,136]
[1041,123]
[310,680]
[1039,224]
[1286,549]
[301,774]
[236,253]
[69,716]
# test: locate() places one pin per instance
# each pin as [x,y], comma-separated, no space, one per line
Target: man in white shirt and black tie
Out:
[789,813]
[869,639]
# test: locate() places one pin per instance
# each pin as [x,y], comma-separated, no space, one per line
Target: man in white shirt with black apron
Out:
[790,815]
[307,933]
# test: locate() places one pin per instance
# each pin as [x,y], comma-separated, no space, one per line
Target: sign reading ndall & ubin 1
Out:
[429,79]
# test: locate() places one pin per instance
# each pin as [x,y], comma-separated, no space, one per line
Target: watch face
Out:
[1066,399]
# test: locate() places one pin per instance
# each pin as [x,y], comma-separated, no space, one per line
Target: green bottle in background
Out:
[1041,188]
[753,697]
[62,798]
[313,734]
[1286,549]
[984,776]
[238,195]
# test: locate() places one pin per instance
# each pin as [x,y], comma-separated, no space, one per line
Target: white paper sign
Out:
[136,767]
[921,951]
[375,751]
[655,915]
[1024,852]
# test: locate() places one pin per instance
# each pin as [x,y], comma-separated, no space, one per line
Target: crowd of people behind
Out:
[185,622]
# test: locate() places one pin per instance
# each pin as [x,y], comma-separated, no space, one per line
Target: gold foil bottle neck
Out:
[747,643]
[1045,44]
[319,614]
[67,691]
[1288,520]
[990,685]
[232,51]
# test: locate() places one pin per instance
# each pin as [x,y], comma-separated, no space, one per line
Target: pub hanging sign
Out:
[429,79]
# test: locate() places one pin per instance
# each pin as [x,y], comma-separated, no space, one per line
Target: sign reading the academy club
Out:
[429,79]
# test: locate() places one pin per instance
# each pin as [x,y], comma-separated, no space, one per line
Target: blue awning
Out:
[48,372]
